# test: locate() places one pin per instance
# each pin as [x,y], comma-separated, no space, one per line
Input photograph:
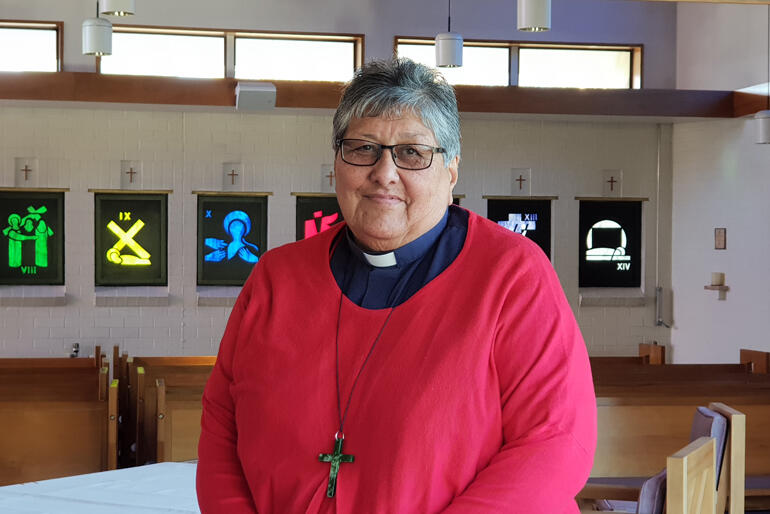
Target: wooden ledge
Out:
[95,87]
[314,194]
[596,102]
[612,198]
[131,191]
[233,193]
[34,189]
[514,197]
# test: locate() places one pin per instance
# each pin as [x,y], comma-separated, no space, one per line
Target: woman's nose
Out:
[385,171]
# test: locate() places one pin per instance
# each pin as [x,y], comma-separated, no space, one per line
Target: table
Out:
[166,487]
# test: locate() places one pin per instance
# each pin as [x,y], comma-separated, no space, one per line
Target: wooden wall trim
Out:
[94,87]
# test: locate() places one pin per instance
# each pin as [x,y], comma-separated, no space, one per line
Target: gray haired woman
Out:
[415,359]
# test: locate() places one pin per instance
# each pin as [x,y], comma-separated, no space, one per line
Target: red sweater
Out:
[477,398]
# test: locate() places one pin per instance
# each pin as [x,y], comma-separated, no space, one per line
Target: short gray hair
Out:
[400,86]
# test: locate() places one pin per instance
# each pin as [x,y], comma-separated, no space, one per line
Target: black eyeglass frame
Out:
[433,150]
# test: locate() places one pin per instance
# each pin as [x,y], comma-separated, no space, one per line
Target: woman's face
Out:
[387,207]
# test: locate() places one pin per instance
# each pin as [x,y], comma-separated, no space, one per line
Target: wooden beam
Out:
[94,87]
[745,104]
[610,102]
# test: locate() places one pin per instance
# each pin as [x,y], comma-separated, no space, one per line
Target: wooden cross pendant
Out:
[335,459]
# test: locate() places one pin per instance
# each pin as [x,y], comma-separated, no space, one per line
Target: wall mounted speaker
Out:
[254,96]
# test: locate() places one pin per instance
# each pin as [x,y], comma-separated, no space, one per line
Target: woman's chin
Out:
[380,240]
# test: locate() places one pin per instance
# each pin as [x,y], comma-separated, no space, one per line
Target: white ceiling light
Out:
[97,35]
[117,7]
[449,46]
[534,15]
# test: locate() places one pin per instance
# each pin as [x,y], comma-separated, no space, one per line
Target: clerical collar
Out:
[410,252]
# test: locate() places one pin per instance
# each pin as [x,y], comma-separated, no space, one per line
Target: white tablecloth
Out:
[166,487]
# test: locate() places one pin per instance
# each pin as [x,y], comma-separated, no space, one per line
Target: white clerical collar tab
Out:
[382,260]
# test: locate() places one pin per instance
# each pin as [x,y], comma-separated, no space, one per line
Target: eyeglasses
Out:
[360,152]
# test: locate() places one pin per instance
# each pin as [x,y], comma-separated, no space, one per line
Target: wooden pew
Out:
[126,435]
[56,421]
[179,421]
[619,361]
[630,375]
[40,363]
[655,352]
[144,371]
[760,361]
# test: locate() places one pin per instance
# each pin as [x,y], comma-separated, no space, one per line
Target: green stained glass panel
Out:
[31,238]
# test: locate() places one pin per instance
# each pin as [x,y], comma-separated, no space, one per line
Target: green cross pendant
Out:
[335,459]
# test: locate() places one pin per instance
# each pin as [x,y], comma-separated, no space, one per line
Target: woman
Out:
[417,358]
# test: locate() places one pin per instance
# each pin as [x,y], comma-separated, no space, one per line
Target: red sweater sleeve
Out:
[220,482]
[548,403]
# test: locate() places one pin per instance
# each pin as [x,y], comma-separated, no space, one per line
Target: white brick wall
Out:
[81,148]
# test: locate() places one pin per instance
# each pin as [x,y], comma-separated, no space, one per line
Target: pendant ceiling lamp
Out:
[97,35]
[763,117]
[534,15]
[117,7]
[449,46]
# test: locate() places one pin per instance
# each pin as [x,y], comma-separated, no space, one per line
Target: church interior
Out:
[114,188]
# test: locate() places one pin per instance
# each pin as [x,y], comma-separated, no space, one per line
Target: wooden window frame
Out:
[356,39]
[229,34]
[169,31]
[636,51]
[635,75]
[58,26]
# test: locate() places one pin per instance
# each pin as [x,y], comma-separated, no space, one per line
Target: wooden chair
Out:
[684,487]
[691,473]
[645,496]
[55,421]
[732,476]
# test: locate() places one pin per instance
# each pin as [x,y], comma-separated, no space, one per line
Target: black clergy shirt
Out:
[380,280]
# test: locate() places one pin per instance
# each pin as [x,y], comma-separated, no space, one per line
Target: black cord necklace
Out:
[337,457]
